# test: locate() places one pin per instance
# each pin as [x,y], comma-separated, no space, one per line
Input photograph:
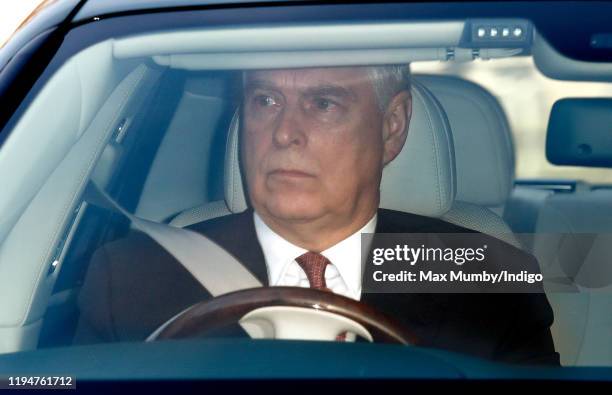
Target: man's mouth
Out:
[289,173]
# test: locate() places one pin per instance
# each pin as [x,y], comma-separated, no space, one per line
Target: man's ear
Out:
[395,125]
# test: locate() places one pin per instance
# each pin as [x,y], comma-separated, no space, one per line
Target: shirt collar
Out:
[278,252]
[345,255]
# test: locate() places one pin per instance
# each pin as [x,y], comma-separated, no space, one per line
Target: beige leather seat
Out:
[573,243]
[484,155]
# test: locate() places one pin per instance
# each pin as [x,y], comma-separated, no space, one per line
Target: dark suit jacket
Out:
[133,286]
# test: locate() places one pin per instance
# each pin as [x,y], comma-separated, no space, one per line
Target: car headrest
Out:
[420,180]
[484,153]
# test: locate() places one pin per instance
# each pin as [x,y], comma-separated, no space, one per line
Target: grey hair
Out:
[388,81]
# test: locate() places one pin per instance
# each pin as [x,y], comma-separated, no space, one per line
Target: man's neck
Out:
[317,235]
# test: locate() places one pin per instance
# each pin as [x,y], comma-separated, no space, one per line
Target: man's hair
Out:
[388,81]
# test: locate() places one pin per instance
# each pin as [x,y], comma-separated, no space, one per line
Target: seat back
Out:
[484,155]
[573,243]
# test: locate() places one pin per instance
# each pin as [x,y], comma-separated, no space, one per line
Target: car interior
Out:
[153,120]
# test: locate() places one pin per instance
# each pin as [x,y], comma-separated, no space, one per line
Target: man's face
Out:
[313,144]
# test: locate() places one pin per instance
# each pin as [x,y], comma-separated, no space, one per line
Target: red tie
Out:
[314,265]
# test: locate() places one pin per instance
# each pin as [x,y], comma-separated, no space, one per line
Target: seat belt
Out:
[214,268]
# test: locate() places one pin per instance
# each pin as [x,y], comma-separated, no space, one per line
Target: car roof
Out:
[94,8]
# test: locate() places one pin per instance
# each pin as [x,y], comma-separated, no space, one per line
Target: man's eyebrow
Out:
[319,90]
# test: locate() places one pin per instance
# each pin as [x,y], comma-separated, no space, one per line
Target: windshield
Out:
[441,183]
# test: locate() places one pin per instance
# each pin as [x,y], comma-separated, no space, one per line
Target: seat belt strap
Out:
[216,269]
[212,266]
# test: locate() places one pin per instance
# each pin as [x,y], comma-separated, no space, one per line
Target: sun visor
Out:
[580,133]
[290,46]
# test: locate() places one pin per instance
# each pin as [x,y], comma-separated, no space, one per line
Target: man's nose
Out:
[289,129]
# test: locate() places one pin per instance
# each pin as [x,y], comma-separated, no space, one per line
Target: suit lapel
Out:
[252,255]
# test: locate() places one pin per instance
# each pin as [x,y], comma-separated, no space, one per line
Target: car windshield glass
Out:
[441,182]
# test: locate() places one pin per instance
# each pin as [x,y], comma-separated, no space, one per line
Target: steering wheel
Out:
[278,312]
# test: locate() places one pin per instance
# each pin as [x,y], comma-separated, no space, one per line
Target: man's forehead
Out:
[303,78]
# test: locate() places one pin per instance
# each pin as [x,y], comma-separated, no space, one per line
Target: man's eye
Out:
[324,104]
[265,100]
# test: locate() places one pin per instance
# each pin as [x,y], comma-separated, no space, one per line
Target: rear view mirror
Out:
[580,133]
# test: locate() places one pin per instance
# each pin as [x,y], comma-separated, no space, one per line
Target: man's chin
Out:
[293,213]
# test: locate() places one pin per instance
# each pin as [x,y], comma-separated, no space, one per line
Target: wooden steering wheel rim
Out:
[229,308]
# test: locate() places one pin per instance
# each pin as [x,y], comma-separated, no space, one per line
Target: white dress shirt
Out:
[342,276]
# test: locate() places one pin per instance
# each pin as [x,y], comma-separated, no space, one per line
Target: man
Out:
[314,144]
